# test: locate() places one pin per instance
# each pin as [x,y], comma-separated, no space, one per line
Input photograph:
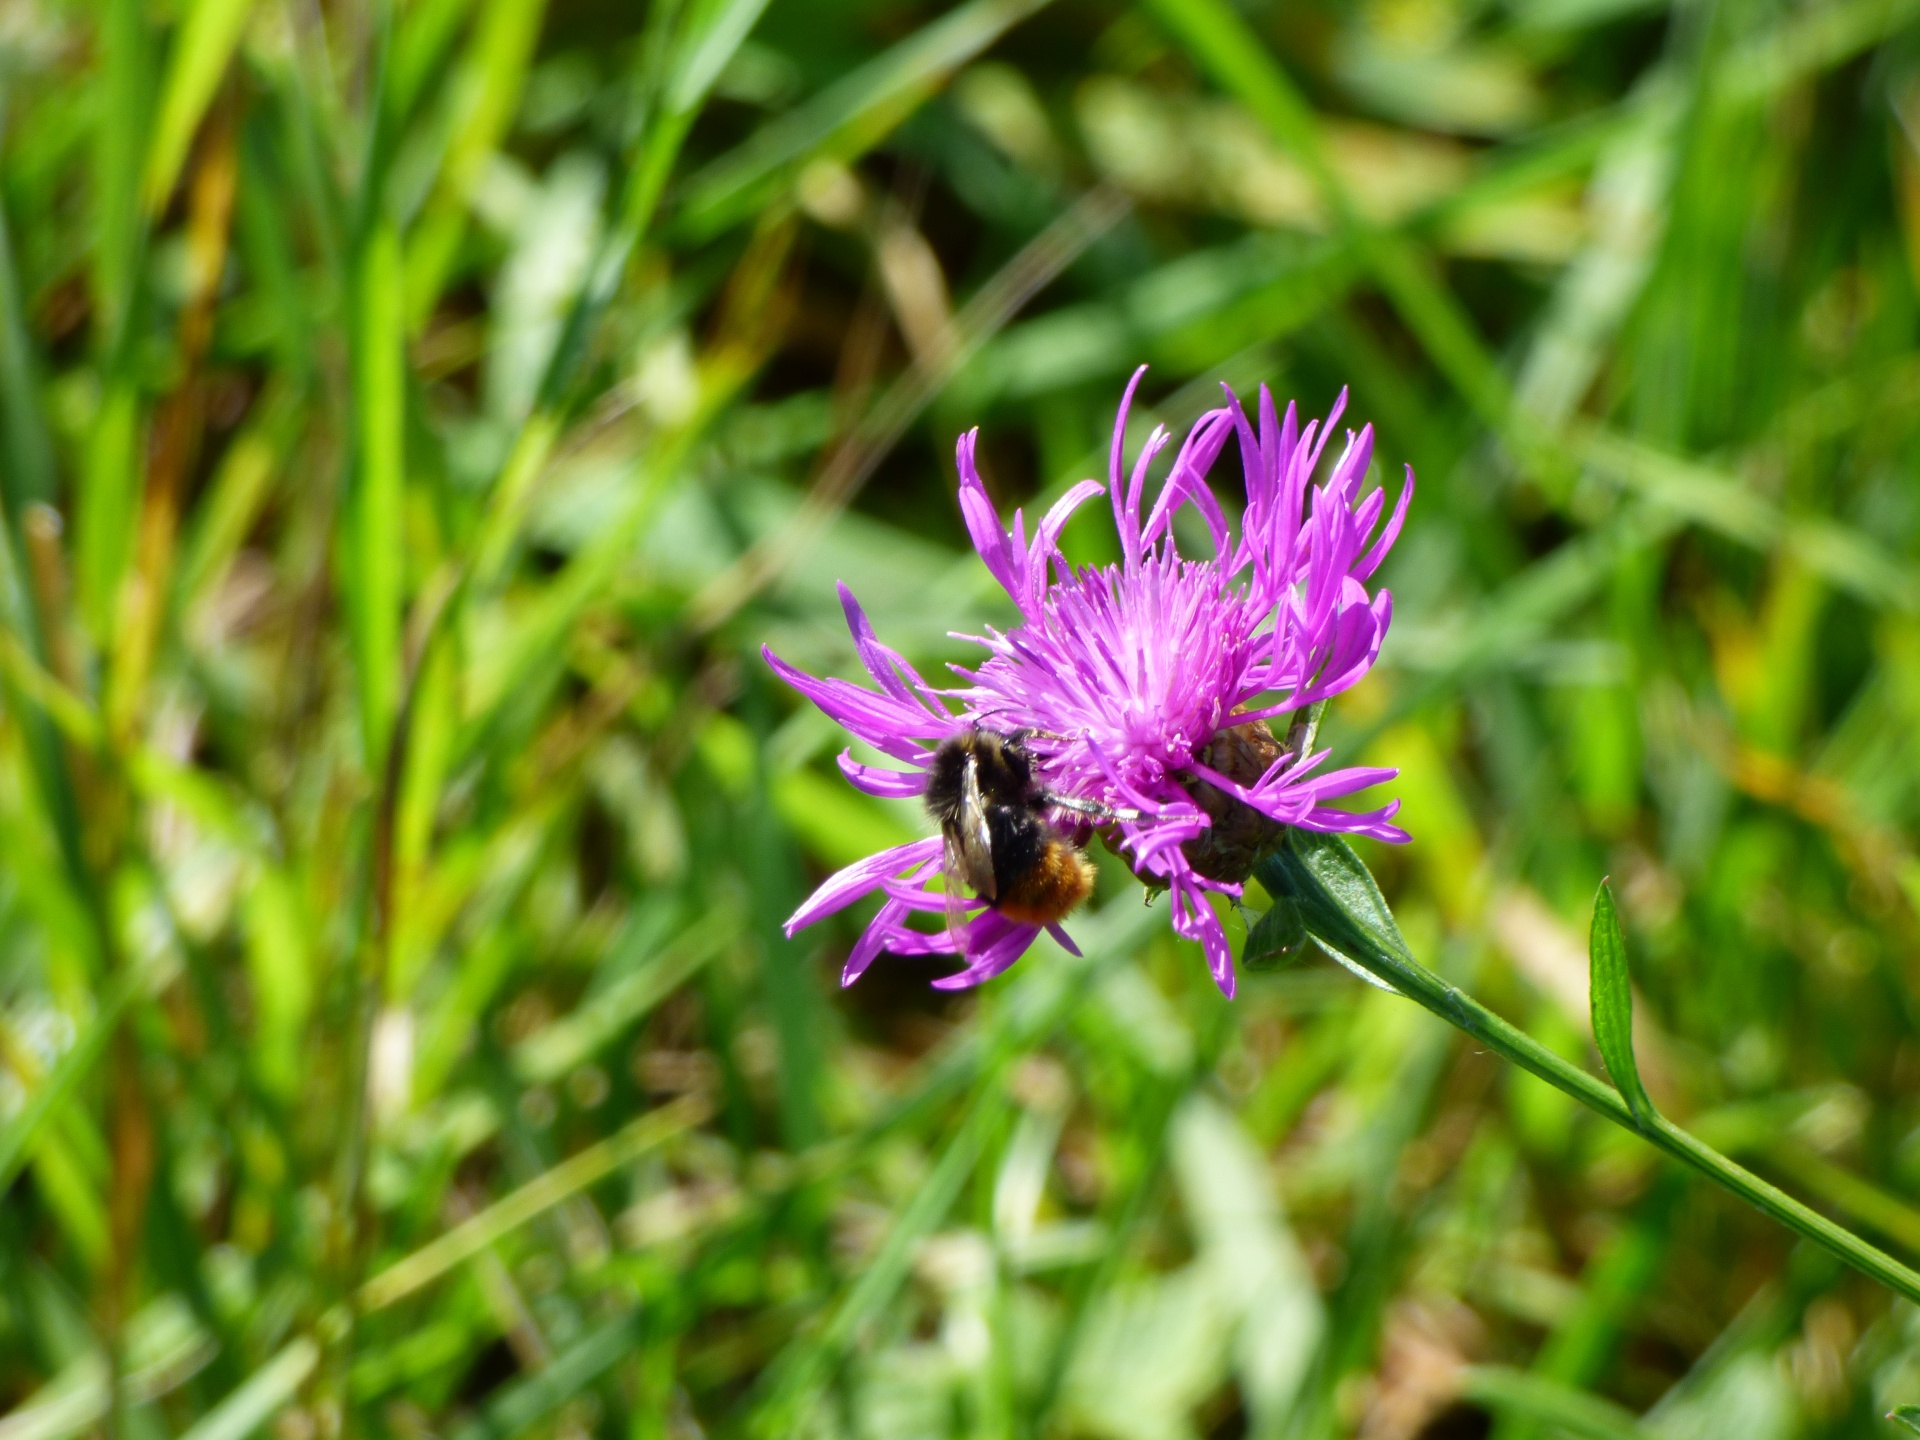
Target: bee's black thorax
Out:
[1017,831]
[1004,768]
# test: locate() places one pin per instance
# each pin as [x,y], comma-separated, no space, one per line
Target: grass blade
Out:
[376,551]
[798,1375]
[16,1140]
[507,1214]
[847,117]
[1536,1398]
[205,43]
[572,1370]
[260,1397]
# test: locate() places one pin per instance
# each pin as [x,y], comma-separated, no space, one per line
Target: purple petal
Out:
[1355,645]
[993,944]
[1193,918]
[1370,562]
[1188,481]
[885,664]
[1351,467]
[874,940]
[1046,540]
[843,887]
[1125,498]
[1372,823]
[1348,780]
[882,721]
[983,521]
[881,781]
[1115,472]
[1326,430]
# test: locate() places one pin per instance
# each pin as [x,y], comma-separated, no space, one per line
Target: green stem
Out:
[1331,919]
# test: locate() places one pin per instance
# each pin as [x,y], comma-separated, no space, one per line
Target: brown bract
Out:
[1239,834]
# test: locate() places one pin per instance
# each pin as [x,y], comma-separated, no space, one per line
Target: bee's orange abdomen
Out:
[1049,889]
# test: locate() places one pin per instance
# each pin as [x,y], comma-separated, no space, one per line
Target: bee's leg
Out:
[1092,808]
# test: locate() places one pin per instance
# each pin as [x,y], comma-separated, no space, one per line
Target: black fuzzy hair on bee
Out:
[992,811]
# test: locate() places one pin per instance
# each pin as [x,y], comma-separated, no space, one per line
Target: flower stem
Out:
[1344,912]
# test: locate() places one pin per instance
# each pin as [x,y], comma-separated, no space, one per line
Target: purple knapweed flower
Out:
[1125,674]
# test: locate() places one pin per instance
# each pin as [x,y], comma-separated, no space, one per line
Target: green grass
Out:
[415,416]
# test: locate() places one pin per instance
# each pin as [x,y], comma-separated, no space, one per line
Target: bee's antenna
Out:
[999,710]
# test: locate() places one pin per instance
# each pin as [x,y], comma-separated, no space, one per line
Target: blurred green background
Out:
[415,414]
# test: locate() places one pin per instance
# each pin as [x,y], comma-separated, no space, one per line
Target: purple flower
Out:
[1127,674]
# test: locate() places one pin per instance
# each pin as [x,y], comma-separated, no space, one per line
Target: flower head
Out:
[1144,686]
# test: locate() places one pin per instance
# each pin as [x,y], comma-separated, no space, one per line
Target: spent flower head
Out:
[1143,687]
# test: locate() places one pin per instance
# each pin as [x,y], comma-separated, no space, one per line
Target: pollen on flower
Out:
[1151,688]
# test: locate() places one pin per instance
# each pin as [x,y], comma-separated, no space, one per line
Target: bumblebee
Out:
[1000,840]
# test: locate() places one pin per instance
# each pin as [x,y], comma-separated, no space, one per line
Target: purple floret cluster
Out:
[1125,673]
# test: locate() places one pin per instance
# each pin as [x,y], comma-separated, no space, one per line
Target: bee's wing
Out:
[976,845]
[967,861]
[953,873]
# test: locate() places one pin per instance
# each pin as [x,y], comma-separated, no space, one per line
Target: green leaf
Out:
[1906,1416]
[713,38]
[376,555]
[797,1375]
[846,118]
[520,1405]
[28,475]
[486,91]
[1522,1395]
[1611,995]
[1276,938]
[205,43]
[546,1190]
[1335,897]
[72,1067]
[260,1396]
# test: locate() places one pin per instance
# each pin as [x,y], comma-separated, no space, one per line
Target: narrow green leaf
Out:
[800,1372]
[1276,938]
[424,35]
[27,477]
[260,1396]
[375,545]
[1611,995]
[28,473]
[1344,907]
[848,116]
[1906,1416]
[280,965]
[1227,47]
[238,490]
[1335,897]
[72,1067]
[548,1054]
[204,44]
[1851,560]
[485,96]
[717,33]
[105,508]
[122,126]
[1520,1395]
[537,1196]
[520,1405]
